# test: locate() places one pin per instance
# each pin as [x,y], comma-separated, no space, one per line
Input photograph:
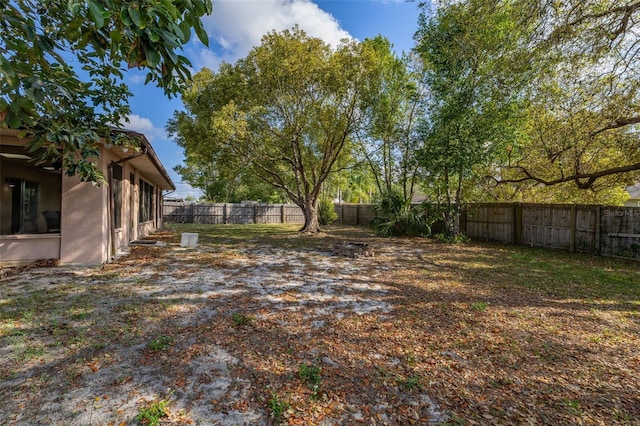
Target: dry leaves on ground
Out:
[261,325]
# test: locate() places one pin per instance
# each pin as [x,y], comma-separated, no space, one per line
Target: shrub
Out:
[152,414]
[159,343]
[326,211]
[397,217]
[310,374]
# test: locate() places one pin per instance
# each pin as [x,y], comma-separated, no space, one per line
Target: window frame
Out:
[117,195]
[145,201]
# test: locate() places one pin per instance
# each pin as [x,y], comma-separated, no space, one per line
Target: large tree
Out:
[286,112]
[584,103]
[533,95]
[392,106]
[472,95]
[62,67]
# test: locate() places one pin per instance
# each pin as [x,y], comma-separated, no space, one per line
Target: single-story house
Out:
[45,214]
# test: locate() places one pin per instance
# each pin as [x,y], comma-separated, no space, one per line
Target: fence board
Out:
[491,222]
[620,232]
[355,214]
[546,226]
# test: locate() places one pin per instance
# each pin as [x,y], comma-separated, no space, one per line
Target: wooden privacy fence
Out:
[605,230]
[355,214]
[182,212]
[185,212]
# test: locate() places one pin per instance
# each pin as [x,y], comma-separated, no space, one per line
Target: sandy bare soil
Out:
[260,331]
[79,354]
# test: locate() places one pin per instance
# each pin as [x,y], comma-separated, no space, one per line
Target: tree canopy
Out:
[62,65]
[286,111]
[534,101]
[392,105]
[583,103]
[472,86]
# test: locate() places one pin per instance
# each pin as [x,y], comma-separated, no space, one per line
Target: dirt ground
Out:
[271,328]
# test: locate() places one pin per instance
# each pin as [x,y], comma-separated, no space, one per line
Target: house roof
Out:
[148,163]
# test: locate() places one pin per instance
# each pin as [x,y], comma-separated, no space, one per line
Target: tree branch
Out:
[626,11]
[582,180]
[616,124]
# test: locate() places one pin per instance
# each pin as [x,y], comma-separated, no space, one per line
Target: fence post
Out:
[341,214]
[192,213]
[463,220]
[517,223]
[283,218]
[255,213]
[598,229]
[224,213]
[357,214]
[572,228]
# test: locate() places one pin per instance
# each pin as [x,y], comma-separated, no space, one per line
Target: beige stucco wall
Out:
[85,216]
[29,247]
[131,229]
[84,222]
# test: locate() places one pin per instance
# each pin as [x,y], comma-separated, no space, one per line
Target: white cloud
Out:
[145,126]
[184,190]
[137,78]
[236,26]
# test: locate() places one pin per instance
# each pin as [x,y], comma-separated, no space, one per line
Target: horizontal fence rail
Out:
[604,230]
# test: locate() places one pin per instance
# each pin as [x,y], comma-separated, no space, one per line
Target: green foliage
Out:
[240,319]
[326,211]
[479,306]
[451,238]
[472,114]
[159,343]
[310,375]
[226,181]
[285,114]
[410,383]
[152,414]
[530,95]
[277,407]
[392,105]
[396,216]
[454,420]
[64,112]
[586,104]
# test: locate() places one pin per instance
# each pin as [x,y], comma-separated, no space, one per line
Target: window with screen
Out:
[146,201]
[117,196]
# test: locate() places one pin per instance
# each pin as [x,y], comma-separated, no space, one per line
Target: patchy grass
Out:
[277,407]
[152,414]
[423,332]
[239,319]
[159,343]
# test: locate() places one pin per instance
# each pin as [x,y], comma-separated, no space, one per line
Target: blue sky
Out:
[236,26]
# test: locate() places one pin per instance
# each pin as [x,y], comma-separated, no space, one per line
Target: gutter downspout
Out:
[112,225]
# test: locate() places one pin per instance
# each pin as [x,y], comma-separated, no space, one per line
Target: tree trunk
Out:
[311,221]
